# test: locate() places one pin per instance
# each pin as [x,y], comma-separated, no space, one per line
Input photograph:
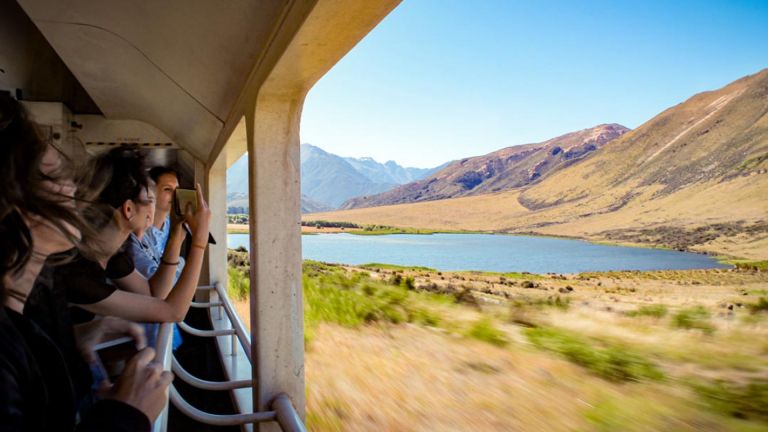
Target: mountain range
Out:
[501,170]
[327,180]
[694,177]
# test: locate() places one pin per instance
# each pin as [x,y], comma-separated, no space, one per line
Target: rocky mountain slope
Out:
[505,169]
[714,136]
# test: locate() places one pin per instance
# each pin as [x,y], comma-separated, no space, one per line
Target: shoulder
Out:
[120,265]
[133,242]
[78,263]
[84,281]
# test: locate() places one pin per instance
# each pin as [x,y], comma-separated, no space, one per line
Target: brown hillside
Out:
[505,169]
[713,136]
[694,177]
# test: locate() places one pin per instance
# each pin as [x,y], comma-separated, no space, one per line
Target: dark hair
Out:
[122,173]
[23,188]
[160,170]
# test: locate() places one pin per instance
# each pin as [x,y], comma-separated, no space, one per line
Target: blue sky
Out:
[444,79]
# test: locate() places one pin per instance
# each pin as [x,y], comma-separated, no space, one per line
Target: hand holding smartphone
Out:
[184,198]
[111,357]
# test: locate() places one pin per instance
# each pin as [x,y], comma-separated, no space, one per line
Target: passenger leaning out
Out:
[105,281]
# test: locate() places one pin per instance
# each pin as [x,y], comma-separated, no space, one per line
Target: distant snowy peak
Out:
[387,172]
[327,180]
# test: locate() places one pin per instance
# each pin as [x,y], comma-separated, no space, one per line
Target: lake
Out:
[488,252]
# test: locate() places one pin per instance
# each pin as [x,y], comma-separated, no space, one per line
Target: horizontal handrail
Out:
[205,287]
[207,385]
[205,305]
[204,333]
[217,419]
[234,319]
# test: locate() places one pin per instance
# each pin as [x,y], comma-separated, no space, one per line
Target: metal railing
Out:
[194,381]
[282,409]
[237,324]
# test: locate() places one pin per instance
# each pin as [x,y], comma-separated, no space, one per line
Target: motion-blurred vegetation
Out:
[640,348]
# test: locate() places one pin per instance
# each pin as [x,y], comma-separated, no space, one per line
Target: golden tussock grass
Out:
[408,377]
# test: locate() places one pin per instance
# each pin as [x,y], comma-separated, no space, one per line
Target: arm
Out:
[135,283]
[162,280]
[133,306]
[123,271]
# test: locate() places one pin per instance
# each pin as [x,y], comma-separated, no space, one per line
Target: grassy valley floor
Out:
[413,349]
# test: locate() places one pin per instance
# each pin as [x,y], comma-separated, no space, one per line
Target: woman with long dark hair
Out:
[105,282]
[38,217]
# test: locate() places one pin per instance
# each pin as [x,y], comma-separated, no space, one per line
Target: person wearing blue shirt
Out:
[166,181]
[146,246]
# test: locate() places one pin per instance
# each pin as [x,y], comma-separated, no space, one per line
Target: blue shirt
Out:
[146,258]
[158,237]
[147,254]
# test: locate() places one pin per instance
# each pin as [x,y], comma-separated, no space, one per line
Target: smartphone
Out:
[111,357]
[180,201]
[183,197]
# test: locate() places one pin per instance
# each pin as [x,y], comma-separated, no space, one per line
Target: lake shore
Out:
[492,252]
[721,256]
[310,229]
[738,228]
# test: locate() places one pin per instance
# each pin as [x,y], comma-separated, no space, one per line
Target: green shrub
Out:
[424,317]
[628,413]
[551,301]
[559,302]
[238,284]
[748,401]
[329,224]
[408,283]
[751,265]
[696,318]
[316,268]
[334,295]
[655,311]
[760,306]
[484,330]
[238,258]
[612,362]
[326,301]
[382,266]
